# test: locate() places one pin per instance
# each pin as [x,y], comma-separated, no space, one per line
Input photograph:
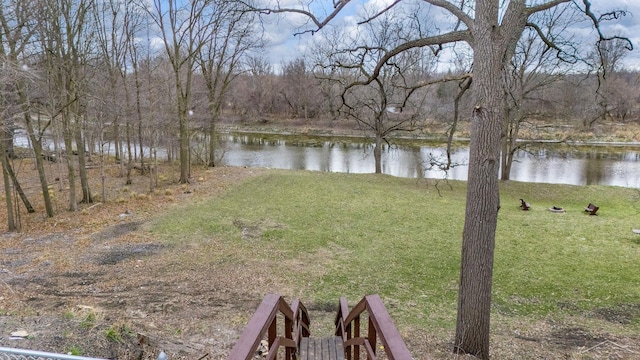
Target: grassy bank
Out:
[318,236]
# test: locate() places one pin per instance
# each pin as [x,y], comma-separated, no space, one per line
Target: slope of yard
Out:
[183,269]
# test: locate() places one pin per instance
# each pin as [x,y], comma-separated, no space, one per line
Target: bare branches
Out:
[551,44]
[379,13]
[455,11]
[597,20]
[545,6]
[462,35]
[337,7]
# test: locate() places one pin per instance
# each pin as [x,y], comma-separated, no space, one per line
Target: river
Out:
[543,163]
[602,164]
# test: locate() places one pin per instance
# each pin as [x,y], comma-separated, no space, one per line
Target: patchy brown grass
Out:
[100,263]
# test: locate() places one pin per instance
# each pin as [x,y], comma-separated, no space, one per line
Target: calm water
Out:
[548,163]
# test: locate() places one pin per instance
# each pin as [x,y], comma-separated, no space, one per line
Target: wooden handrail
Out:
[380,325]
[296,326]
[264,321]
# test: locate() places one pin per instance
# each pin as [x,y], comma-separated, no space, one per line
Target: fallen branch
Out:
[609,342]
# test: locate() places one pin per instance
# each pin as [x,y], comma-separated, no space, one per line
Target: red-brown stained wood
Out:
[329,348]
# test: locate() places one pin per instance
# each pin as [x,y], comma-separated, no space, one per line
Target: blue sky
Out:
[286,47]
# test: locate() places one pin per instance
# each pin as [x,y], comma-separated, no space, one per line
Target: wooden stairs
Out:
[264,338]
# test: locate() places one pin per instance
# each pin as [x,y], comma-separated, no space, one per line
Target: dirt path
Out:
[96,283]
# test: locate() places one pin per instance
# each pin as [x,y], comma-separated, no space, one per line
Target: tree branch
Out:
[463,35]
[612,15]
[337,5]
[545,6]
[551,44]
[455,11]
[379,13]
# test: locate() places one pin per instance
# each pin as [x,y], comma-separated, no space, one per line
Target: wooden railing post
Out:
[380,326]
[264,322]
[372,336]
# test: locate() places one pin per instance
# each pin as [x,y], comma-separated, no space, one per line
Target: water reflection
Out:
[548,163]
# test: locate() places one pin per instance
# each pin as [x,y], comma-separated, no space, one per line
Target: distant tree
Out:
[182,27]
[117,22]
[253,93]
[221,54]
[64,29]
[534,68]
[299,89]
[610,95]
[393,102]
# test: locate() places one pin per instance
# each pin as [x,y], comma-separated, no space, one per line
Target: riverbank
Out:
[618,134]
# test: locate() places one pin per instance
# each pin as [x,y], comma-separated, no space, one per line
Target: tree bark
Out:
[67,133]
[483,202]
[483,196]
[82,163]
[212,140]
[16,184]
[377,154]
[42,176]
[184,150]
[11,225]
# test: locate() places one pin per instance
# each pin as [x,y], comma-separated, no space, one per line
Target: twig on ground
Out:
[7,285]
[609,342]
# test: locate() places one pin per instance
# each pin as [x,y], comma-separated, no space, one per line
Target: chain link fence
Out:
[21,354]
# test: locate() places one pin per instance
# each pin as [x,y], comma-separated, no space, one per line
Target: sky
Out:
[285,47]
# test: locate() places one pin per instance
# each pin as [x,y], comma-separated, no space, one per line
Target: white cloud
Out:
[279,29]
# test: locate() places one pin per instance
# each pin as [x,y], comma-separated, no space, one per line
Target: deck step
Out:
[329,348]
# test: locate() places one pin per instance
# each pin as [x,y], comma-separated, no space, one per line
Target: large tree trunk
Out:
[184,151]
[214,111]
[212,141]
[139,117]
[483,196]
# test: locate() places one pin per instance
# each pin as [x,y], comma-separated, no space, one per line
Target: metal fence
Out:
[21,354]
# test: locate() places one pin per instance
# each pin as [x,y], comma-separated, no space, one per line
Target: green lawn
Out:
[401,238]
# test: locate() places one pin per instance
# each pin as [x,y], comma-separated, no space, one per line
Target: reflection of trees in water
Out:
[552,163]
[595,169]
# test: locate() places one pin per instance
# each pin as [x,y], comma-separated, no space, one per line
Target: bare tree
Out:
[183,32]
[219,58]
[534,68]
[116,24]
[258,88]
[65,34]
[6,137]
[491,28]
[16,33]
[393,102]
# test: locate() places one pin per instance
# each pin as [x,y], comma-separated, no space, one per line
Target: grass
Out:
[74,350]
[326,235]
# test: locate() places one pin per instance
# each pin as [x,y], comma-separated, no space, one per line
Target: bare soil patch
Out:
[96,282]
